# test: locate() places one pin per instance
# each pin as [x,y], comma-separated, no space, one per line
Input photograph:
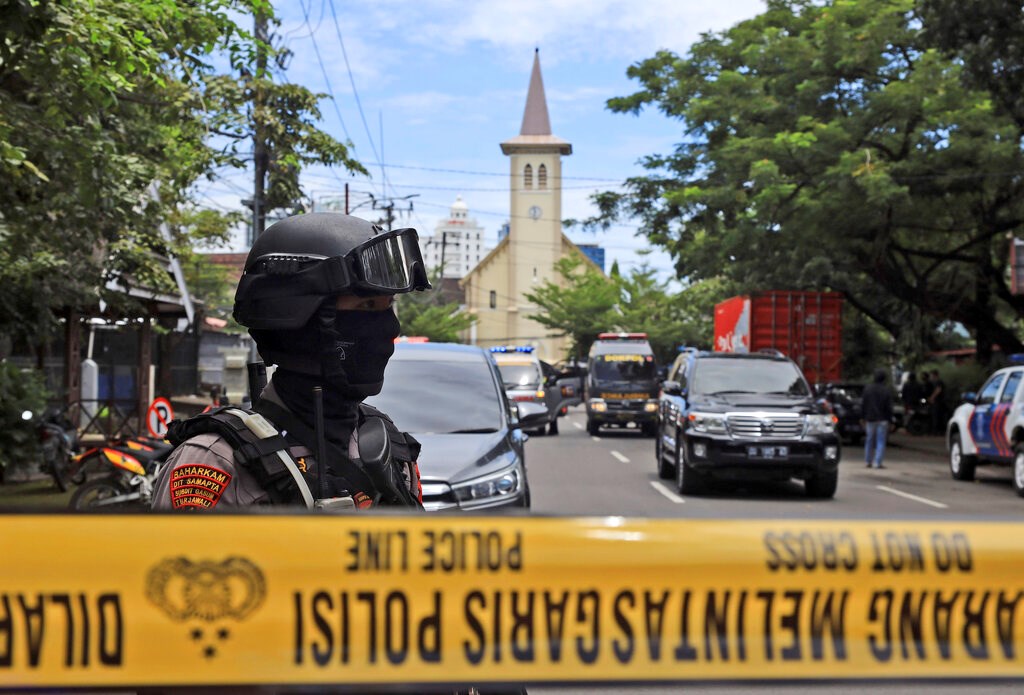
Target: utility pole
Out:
[444,242]
[260,156]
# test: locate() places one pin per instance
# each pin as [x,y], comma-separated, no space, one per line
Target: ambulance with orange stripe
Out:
[988,426]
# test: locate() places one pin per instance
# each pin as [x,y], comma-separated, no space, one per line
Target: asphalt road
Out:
[614,474]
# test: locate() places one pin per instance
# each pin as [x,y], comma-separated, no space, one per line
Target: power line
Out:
[323,70]
[488,173]
[287,37]
[351,79]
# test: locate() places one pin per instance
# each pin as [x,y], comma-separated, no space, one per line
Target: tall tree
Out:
[101,100]
[826,145]
[586,303]
[580,306]
[431,315]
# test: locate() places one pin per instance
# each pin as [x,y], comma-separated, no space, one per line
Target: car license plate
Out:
[767,452]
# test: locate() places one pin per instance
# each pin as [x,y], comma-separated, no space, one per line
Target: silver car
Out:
[451,398]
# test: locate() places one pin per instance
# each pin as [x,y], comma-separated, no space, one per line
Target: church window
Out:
[542,177]
[494,299]
[528,177]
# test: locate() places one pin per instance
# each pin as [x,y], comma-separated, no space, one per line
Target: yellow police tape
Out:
[207,600]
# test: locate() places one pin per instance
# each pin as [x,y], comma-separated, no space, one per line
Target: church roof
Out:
[535,117]
[535,133]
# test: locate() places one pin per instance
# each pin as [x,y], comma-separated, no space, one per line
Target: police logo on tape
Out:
[206,595]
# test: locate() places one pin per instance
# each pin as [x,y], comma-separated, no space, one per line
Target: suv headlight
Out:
[651,406]
[821,424]
[712,423]
[489,488]
[597,405]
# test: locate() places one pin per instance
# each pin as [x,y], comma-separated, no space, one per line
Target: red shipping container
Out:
[805,326]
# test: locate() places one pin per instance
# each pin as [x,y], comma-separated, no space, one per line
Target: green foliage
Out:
[829,146]
[866,347]
[587,303]
[20,390]
[428,314]
[581,306]
[210,284]
[102,102]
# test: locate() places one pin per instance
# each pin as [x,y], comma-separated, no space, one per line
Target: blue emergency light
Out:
[512,348]
[1016,358]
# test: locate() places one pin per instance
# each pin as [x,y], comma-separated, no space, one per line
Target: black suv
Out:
[743,416]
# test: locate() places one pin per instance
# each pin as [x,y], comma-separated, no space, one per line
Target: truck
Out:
[806,326]
[622,387]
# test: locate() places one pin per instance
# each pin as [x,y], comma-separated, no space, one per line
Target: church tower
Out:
[526,258]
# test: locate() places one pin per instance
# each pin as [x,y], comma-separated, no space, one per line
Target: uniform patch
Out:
[197,486]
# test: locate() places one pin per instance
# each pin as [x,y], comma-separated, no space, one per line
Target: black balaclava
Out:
[345,352]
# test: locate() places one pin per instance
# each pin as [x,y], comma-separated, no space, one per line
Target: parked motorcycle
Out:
[132,466]
[58,440]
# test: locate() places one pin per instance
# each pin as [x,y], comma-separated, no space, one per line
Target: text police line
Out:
[433,551]
[657,624]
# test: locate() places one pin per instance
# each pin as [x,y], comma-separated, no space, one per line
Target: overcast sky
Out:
[441,83]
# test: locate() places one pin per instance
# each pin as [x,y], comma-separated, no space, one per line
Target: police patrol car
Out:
[988,426]
[525,381]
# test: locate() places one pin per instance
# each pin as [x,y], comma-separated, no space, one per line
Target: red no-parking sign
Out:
[158,416]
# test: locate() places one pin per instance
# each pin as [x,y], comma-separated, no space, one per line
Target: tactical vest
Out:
[264,452]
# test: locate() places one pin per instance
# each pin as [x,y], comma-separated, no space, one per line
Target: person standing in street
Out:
[937,402]
[876,406]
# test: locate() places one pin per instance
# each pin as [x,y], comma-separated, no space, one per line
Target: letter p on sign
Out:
[158,416]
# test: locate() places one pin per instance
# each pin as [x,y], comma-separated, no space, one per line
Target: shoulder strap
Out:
[256,444]
[350,469]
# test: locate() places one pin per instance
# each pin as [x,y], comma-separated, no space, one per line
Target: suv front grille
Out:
[764,425]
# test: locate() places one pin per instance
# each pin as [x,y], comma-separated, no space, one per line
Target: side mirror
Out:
[672,388]
[969,397]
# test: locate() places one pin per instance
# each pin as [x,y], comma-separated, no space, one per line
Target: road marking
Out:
[923,500]
[596,439]
[660,487]
[619,456]
[577,425]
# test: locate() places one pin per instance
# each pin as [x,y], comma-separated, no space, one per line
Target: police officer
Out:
[317,296]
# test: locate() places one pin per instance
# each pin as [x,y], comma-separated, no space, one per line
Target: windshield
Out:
[520,375]
[623,368]
[713,376]
[440,397]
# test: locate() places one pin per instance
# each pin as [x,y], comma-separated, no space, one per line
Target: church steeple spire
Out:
[535,117]
[535,133]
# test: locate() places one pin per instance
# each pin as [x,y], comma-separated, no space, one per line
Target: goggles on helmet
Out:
[390,263]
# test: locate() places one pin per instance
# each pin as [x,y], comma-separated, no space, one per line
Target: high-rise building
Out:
[594,253]
[457,243]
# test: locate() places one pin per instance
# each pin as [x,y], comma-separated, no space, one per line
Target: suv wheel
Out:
[688,481]
[665,470]
[649,429]
[822,485]
[553,426]
[592,427]
[961,465]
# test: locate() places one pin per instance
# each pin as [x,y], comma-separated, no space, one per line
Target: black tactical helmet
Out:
[302,261]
